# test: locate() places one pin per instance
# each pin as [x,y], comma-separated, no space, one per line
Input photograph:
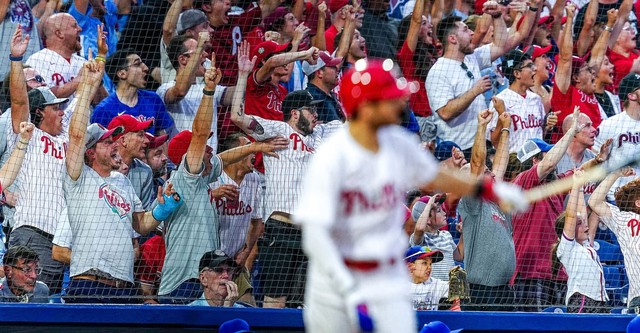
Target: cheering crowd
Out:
[154,151]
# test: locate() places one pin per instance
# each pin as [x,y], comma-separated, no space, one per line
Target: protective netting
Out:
[223,104]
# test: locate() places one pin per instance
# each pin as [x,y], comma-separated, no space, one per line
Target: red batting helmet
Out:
[371,80]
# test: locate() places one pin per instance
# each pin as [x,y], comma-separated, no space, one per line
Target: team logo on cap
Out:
[261,50]
[114,200]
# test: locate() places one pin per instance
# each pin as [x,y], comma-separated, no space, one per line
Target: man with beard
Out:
[282,261]
[156,157]
[20,284]
[534,230]
[454,85]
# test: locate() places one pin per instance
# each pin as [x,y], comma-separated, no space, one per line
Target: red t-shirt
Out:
[255,36]
[566,102]
[329,36]
[152,254]
[419,101]
[226,39]
[534,231]
[622,66]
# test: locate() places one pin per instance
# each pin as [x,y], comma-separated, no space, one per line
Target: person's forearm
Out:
[171,21]
[457,106]
[553,157]
[145,224]
[4,7]
[184,81]
[437,10]
[11,168]
[458,253]
[500,38]
[19,98]
[67,89]
[282,59]
[482,27]
[501,159]
[342,48]
[479,151]
[236,154]
[319,40]
[571,213]
[556,12]
[61,254]
[238,116]
[597,200]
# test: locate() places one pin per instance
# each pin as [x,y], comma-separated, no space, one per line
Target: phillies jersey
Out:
[236,215]
[264,99]
[626,227]
[564,103]
[284,174]
[527,117]
[40,198]
[55,69]
[358,194]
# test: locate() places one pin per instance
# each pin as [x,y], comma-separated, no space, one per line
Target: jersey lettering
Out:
[274,102]
[58,80]
[236,35]
[634,226]
[386,200]
[114,200]
[50,148]
[232,207]
[298,143]
[530,122]
[632,138]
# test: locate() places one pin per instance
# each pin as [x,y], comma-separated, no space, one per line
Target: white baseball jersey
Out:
[39,183]
[427,295]
[284,174]
[583,268]
[626,227]
[625,132]
[55,69]
[235,216]
[527,117]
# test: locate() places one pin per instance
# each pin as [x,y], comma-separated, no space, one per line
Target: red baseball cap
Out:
[371,80]
[156,141]
[538,51]
[335,5]
[277,14]
[267,48]
[179,145]
[129,123]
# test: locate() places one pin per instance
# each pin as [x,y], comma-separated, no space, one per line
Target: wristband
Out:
[606,28]
[162,211]
[505,130]
[208,92]
[533,9]
[18,148]
[12,58]
[100,59]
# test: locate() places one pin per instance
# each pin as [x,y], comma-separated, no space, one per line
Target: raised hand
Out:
[103,48]
[491,8]
[625,172]
[570,10]
[312,55]
[227,191]
[498,104]
[482,85]
[203,38]
[245,63]
[484,117]
[26,130]
[232,293]
[92,71]
[322,10]
[270,146]
[575,125]
[612,17]
[552,119]
[505,120]
[18,44]
[168,201]
[300,33]
[605,150]
[213,75]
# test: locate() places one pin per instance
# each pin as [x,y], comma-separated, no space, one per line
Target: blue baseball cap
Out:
[235,326]
[634,325]
[437,327]
[443,150]
[419,252]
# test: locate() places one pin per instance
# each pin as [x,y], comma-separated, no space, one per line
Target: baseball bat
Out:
[565,184]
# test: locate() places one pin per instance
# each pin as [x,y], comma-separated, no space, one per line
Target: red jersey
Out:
[255,36]
[622,66]
[329,36]
[264,99]
[419,101]
[566,102]
[226,39]
[152,253]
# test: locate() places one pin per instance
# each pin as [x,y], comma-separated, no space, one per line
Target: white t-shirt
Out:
[583,268]
[39,183]
[427,295]
[284,174]
[527,117]
[625,132]
[55,69]
[184,111]
[447,80]
[235,217]
[626,227]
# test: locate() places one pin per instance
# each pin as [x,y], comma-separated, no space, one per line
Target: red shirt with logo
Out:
[622,66]
[564,103]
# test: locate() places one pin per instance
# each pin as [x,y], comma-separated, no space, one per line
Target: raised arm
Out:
[50,8]
[245,65]
[300,33]
[590,16]
[598,200]
[18,84]
[437,11]
[524,30]
[278,60]
[557,11]
[572,211]
[423,220]
[495,134]
[11,168]
[479,150]
[500,33]
[623,16]
[414,26]
[319,40]
[600,47]
[501,160]
[563,72]
[188,76]
[553,156]
[342,49]
[4,9]
[170,21]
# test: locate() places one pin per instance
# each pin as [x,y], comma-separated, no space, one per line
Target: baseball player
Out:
[351,208]
[623,221]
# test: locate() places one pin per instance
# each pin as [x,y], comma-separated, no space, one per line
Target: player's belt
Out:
[368,265]
[116,283]
[280,216]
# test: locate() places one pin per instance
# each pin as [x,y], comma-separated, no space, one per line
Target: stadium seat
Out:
[608,253]
[612,276]
[605,234]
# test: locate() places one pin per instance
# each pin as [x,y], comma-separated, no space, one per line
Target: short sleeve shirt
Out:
[149,107]
[566,102]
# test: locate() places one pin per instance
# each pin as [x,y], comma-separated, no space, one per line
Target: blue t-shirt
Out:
[89,25]
[149,106]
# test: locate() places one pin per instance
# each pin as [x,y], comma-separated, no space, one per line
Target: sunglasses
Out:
[469,74]
[38,78]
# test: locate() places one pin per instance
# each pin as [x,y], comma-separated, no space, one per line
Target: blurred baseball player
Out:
[351,208]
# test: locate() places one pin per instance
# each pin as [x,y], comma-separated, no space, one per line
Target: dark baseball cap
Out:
[443,150]
[514,60]
[215,258]
[42,96]
[97,133]
[298,99]
[629,84]
[189,19]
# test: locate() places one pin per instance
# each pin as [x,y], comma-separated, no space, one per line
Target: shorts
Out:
[283,262]
[243,281]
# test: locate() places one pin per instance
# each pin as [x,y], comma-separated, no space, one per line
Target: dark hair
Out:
[18,252]
[425,54]
[412,196]
[176,48]
[117,61]
[627,195]
[446,27]
[231,141]
[556,265]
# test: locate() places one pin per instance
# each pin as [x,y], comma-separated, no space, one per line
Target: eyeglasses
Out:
[220,270]
[136,63]
[469,74]
[310,109]
[28,270]
[38,78]
[529,66]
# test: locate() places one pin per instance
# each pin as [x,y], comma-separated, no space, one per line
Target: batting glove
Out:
[171,202]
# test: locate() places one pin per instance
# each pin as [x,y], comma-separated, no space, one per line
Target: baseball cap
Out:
[189,19]
[215,258]
[335,5]
[235,326]
[437,327]
[634,325]
[538,50]
[130,123]
[418,252]
[42,96]
[371,80]
[513,61]
[179,145]
[545,20]
[628,84]
[276,15]
[267,48]
[443,150]
[418,206]
[97,133]
[532,147]
[325,59]
[298,99]
[156,141]
[472,21]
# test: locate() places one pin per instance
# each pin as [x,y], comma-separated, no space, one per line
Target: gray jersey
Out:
[40,293]
[566,164]
[141,178]
[192,229]
[100,216]
[489,251]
